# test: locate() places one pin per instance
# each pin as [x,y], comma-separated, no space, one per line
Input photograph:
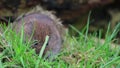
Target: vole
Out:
[41,23]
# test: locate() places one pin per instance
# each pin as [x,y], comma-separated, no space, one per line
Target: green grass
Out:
[77,52]
[83,51]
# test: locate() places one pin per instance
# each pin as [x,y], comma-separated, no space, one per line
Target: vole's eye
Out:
[47,44]
[36,42]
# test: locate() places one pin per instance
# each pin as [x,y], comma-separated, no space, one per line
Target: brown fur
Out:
[41,23]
